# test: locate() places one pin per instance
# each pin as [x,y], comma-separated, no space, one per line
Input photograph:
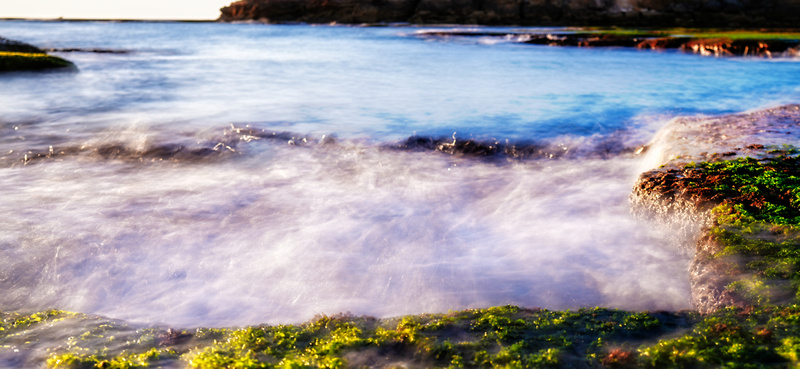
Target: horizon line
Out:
[60,19]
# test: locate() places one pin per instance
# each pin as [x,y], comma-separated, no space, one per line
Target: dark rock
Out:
[88,50]
[16,61]
[648,13]
[585,40]
[713,47]
[172,337]
[20,47]
[320,11]
[660,43]
[18,56]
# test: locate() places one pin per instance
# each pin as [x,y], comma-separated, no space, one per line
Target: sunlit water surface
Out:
[277,231]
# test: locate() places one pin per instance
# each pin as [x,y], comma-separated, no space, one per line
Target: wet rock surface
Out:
[230,144]
[236,141]
[729,197]
[703,46]
[492,149]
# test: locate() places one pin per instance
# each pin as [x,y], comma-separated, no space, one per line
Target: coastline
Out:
[647,13]
[749,318]
[122,20]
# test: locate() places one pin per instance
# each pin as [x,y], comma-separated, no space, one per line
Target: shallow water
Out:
[128,189]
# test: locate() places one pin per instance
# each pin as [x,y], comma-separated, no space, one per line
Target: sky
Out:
[110,9]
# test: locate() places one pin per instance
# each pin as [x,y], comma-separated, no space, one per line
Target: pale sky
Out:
[111,9]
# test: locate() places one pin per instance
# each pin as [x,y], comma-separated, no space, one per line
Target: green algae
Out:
[17,61]
[707,33]
[505,336]
[497,337]
[124,360]
[732,338]
[755,235]
[766,190]
[14,322]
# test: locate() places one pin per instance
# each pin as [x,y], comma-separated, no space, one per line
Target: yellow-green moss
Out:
[16,61]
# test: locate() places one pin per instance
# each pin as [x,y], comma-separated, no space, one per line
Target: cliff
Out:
[650,13]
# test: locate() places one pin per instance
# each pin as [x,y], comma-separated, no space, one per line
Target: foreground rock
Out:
[647,13]
[14,62]
[735,178]
[19,56]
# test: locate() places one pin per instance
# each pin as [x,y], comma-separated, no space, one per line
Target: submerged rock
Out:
[89,50]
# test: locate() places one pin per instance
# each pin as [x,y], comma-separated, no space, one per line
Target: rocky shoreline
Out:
[713,46]
[647,13]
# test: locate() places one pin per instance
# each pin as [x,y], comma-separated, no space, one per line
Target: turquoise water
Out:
[147,187]
[381,83]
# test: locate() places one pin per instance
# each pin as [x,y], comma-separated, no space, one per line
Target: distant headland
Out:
[649,13]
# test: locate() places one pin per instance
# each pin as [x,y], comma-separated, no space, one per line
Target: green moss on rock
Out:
[18,61]
[497,337]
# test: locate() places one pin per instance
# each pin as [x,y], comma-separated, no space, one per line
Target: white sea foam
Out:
[280,233]
[292,232]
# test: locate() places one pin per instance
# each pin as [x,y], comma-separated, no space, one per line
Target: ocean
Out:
[209,174]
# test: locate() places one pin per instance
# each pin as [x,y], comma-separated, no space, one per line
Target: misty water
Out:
[149,187]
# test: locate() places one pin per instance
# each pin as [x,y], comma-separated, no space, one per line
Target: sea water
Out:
[203,174]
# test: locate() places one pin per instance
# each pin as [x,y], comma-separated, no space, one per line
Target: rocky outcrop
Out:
[649,13]
[728,47]
[679,192]
[673,197]
[651,41]
[320,11]
[15,62]
[18,56]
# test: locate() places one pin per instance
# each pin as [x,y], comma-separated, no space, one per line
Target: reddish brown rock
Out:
[728,47]
[660,43]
